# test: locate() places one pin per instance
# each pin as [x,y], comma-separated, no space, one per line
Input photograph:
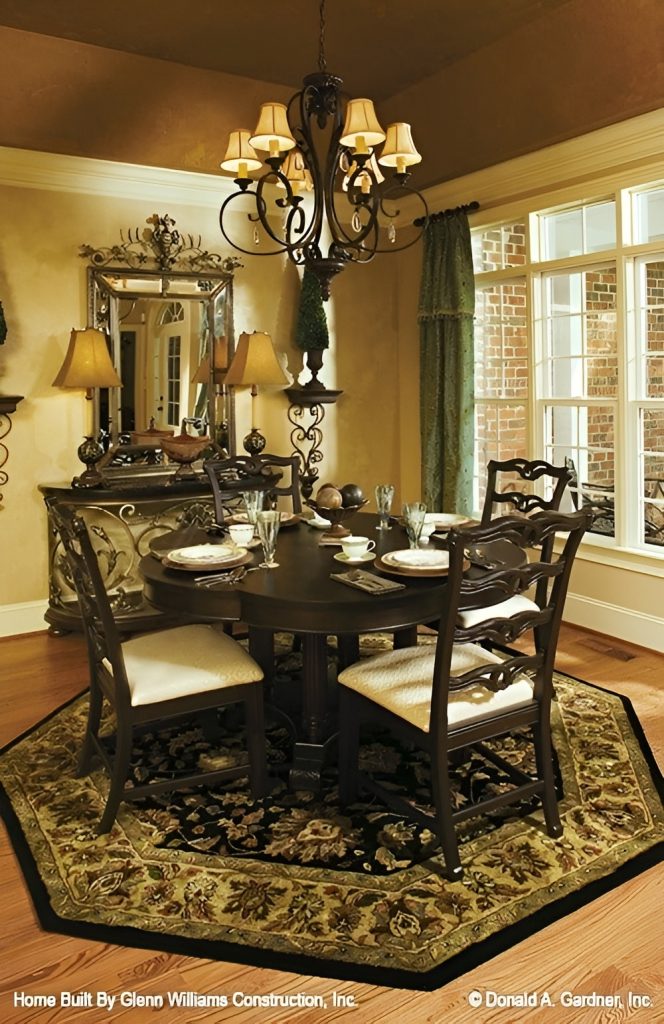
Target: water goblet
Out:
[267,525]
[384,496]
[413,516]
[253,502]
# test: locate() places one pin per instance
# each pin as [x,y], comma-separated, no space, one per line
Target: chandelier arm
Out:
[235,245]
[424,219]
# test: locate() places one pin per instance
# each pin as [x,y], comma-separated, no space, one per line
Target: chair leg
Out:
[544,761]
[119,775]
[91,730]
[256,742]
[349,747]
[442,799]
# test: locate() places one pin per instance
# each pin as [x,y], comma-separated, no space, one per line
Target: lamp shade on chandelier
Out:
[337,191]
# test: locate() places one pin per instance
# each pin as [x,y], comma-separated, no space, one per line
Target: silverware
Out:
[232,576]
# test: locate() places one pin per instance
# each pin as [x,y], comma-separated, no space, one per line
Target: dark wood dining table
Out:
[300,597]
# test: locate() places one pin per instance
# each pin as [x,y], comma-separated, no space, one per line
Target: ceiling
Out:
[379,47]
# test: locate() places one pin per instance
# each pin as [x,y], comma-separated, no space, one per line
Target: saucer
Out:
[341,557]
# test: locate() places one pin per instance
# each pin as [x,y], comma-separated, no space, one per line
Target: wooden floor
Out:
[612,947]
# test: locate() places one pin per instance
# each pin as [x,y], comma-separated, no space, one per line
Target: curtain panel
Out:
[447,391]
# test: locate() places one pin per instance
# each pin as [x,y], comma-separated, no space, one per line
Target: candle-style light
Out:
[351,208]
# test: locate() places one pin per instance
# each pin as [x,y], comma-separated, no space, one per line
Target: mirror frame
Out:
[160,263]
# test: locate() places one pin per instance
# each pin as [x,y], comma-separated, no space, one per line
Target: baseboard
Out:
[612,620]
[16,619]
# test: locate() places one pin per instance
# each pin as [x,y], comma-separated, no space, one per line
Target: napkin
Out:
[366,581]
[330,541]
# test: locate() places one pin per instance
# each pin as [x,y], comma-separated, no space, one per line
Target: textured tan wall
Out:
[65,97]
[585,65]
[43,290]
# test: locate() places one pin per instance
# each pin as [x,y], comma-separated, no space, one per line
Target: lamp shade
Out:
[87,363]
[295,169]
[399,149]
[273,131]
[361,127]
[202,375]
[240,155]
[255,362]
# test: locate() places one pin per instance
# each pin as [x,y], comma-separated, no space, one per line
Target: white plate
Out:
[201,554]
[319,523]
[445,520]
[414,558]
[341,557]
[285,518]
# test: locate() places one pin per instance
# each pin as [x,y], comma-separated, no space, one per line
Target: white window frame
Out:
[626,548]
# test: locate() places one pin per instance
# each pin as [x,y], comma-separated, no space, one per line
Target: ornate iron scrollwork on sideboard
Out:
[122,521]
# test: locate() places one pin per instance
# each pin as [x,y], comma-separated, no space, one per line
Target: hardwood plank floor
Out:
[613,946]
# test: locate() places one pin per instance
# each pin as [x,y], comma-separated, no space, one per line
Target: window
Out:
[569,345]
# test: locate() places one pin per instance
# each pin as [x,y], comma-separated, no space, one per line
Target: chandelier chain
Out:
[322,63]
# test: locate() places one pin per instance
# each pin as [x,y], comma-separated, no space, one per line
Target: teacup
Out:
[355,548]
[241,534]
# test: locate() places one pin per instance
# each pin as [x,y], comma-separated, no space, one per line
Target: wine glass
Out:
[413,516]
[253,502]
[267,524]
[384,496]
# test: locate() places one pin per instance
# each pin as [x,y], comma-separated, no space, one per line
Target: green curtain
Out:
[447,393]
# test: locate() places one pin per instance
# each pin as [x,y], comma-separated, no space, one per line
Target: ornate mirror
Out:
[166,306]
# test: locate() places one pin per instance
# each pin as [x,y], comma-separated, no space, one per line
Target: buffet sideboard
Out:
[123,518]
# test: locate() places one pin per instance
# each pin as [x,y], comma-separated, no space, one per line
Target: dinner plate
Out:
[286,518]
[201,554]
[393,569]
[418,558]
[341,557]
[445,520]
[243,556]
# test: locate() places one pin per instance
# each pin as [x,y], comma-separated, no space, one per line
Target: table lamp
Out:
[202,376]
[255,364]
[87,364]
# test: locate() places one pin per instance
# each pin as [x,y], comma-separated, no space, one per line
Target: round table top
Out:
[299,595]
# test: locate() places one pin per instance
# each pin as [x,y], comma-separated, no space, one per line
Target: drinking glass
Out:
[413,517]
[267,524]
[253,502]
[384,496]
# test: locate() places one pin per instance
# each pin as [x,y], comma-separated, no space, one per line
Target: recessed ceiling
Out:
[379,47]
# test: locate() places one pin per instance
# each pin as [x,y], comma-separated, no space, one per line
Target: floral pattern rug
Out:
[298,882]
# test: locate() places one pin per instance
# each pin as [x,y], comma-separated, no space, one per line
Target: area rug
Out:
[298,883]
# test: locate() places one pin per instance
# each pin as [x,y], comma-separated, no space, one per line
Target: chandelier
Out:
[335,200]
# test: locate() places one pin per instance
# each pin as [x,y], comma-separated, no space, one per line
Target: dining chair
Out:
[521,500]
[456,694]
[182,671]
[230,476]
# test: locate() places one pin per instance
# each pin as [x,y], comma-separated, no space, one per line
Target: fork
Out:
[231,576]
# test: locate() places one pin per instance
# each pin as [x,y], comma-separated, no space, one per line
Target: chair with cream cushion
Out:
[183,671]
[456,694]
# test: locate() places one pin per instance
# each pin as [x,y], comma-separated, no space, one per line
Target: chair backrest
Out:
[476,588]
[520,500]
[230,476]
[101,633]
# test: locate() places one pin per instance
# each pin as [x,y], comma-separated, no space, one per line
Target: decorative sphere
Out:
[329,497]
[351,494]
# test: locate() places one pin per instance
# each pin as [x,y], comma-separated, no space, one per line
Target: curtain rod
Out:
[464,208]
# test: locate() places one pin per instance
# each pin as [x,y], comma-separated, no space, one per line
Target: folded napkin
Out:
[330,541]
[366,581]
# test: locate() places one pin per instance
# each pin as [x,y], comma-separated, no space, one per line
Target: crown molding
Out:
[635,145]
[24,168]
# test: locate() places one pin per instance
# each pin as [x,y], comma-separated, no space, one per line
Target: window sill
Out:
[631,559]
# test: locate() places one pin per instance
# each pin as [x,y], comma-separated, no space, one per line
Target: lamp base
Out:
[254,442]
[89,452]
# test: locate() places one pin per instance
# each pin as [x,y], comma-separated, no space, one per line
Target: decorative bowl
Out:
[336,516]
[184,449]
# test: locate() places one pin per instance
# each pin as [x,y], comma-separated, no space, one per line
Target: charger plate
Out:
[286,519]
[241,558]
